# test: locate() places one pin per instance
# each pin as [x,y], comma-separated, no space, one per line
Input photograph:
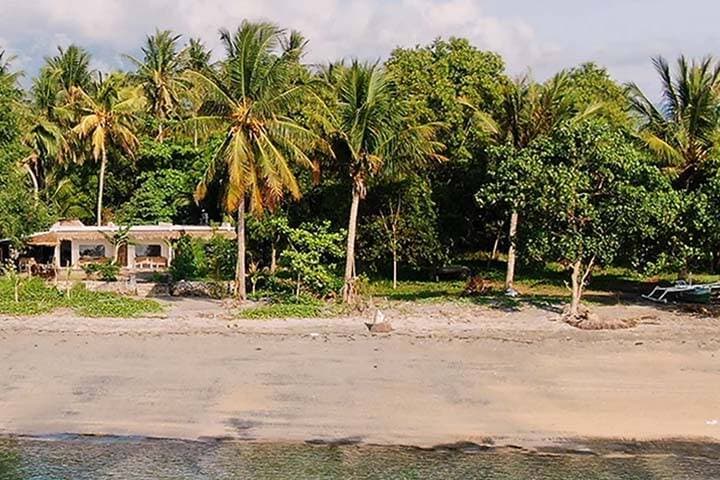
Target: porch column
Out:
[56,256]
[131,256]
[74,253]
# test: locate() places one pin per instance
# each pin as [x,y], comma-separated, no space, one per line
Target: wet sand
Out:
[448,373]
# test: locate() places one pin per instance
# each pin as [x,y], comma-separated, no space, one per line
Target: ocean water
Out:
[99,458]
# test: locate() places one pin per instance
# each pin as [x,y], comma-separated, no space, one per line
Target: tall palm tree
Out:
[107,119]
[68,69]
[249,98]
[195,55]
[369,134]
[160,74]
[685,127]
[529,110]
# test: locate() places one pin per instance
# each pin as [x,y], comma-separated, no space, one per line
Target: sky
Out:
[540,36]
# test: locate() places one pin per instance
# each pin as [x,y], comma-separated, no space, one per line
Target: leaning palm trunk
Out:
[510,275]
[33,178]
[349,287]
[101,186]
[240,289]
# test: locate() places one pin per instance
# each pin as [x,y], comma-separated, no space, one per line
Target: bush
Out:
[288,306]
[107,271]
[189,261]
[312,257]
[221,257]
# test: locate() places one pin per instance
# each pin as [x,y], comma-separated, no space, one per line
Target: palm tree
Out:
[6,71]
[684,128]
[529,110]
[195,55]
[47,144]
[249,98]
[160,74]
[369,134]
[68,69]
[107,119]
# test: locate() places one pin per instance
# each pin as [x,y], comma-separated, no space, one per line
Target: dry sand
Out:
[448,373]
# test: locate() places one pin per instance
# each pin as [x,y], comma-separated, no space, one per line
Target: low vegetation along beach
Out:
[427,252]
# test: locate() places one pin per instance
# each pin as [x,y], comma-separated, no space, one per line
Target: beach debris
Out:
[379,324]
[477,285]
[712,422]
[511,292]
[587,320]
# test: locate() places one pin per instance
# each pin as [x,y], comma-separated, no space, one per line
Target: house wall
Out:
[165,249]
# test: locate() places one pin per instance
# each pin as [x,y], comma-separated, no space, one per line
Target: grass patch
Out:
[35,297]
[105,304]
[289,306]
[416,291]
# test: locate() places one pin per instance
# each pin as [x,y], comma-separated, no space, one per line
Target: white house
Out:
[70,243]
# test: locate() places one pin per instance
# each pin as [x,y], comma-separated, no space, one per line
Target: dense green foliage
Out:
[423,159]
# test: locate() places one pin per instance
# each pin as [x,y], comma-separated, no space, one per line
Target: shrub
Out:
[107,271]
[288,306]
[189,261]
[312,256]
[221,257]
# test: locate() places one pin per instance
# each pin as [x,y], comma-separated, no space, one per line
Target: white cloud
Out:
[335,28]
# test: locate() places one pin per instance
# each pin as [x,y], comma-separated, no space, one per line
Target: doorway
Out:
[65,253]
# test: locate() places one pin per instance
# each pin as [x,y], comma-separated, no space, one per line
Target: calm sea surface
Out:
[72,458]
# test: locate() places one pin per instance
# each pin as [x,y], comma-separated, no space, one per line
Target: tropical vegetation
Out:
[404,168]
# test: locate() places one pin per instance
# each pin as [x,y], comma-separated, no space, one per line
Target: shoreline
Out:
[448,374]
[597,447]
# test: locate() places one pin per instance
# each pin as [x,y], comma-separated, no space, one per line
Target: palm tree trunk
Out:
[240,289]
[36,185]
[101,186]
[510,275]
[348,288]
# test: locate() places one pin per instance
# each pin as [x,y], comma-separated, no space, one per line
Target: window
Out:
[92,251]
[148,251]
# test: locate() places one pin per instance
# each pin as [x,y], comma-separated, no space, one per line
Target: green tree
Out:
[401,223]
[529,111]
[69,69]
[195,55]
[683,130]
[249,99]
[20,212]
[311,257]
[595,197]
[436,80]
[370,133]
[159,72]
[107,120]
[163,196]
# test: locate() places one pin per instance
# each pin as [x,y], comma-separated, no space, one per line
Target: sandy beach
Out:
[448,373]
